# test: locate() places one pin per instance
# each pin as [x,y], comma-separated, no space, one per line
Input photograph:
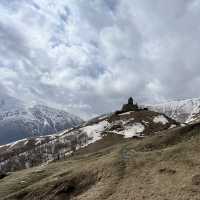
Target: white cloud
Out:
[90,56]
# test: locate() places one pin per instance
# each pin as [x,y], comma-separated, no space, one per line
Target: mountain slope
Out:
[163,166]
[184,111]
[18,121]
[32,152]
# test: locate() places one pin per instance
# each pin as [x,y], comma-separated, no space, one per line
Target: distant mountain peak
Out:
[19,120]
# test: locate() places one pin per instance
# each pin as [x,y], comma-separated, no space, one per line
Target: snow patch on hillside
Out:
[173,126]
[12,144]
[133,131]
[94,131]
[39,140]
[126,113]
[160,119]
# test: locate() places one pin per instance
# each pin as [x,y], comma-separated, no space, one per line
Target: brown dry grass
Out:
[162,167]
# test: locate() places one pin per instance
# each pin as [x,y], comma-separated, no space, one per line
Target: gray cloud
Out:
[88,57]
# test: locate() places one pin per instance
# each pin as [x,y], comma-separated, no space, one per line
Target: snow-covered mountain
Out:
[18,120]
[184,111]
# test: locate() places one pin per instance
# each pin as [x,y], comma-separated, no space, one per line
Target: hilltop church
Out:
[130,106]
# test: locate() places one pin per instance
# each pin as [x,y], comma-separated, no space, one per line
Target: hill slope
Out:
[32,152]
[163,166]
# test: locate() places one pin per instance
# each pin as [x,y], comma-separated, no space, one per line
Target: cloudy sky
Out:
[89,56]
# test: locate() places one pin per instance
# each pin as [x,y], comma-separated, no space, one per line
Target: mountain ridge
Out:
[184,111]
[19,120]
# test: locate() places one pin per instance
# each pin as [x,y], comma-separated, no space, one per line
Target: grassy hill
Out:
[165,166]
[31,152]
